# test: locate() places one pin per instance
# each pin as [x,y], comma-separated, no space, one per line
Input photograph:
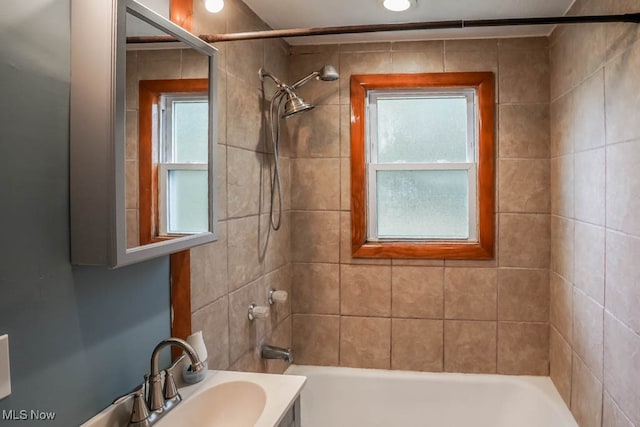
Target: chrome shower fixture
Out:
[294,104]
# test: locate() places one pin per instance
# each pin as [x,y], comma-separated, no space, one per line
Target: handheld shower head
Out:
[295,105]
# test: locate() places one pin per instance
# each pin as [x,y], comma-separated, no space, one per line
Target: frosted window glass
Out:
[188,201]
[422,130]
[190,131]
[423,204]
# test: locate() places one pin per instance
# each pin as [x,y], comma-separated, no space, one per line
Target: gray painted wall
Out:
[78,336]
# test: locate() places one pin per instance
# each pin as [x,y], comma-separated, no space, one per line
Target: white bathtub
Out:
[346,397]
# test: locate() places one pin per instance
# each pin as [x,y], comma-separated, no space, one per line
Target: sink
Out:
[222,399]
[232,404]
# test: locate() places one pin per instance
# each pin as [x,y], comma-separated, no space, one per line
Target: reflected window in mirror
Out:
[182,171]
[173,158]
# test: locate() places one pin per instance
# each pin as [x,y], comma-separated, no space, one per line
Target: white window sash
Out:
[373,166]
[372,205]
[163,186]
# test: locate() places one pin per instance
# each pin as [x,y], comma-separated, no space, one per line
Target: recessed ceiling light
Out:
[398,5]
[214,6]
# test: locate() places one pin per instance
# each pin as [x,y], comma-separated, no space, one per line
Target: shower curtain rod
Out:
[373,28]
[433,25]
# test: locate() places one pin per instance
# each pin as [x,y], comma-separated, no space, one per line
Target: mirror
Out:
[142,135]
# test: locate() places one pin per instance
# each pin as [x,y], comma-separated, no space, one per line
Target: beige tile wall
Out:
[248,259]
[428,315]
[595,230]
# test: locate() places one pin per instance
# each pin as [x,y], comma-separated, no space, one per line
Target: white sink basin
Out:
[232,404]
[223,399]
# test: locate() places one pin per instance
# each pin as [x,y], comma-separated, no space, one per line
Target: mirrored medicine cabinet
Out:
[143,135]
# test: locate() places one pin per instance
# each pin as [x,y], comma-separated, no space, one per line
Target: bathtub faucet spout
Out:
[273,352]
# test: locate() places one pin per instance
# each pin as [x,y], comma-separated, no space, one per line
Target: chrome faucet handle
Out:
[140,412]
[170,389]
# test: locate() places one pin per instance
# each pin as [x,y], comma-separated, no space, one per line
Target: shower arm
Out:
[303,81]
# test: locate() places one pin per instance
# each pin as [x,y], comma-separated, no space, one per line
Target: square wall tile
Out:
[209,278]
[523,295]
[244,116]
[524,240]
[586,395]
[623,187]
[562,186]
[417,292]
[523,348]
[580,44]
[243,182]
[417,345]
[524,131]
[560,364]
[316,339]
[561,306]
[622,102]
[470,293]
[589,186]
[612,415]
[316,237]
[316,288]
[470,346]
[244,258]
[365,290]
[365,342]
[622,366]
[523,75]
[213,321]
[562,235]
[588,267]
[524,186]
[622,278]
[315,184]
[588,330]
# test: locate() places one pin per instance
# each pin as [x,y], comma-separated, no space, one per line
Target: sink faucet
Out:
[145,414]
[158,402]
[272,352]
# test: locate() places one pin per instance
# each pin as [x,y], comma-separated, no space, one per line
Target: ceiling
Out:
[281,14]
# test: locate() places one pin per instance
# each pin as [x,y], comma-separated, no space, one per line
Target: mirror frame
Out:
[97,134]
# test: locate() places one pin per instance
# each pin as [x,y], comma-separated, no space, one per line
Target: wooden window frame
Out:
[149,93]
[483,83]
[181,13]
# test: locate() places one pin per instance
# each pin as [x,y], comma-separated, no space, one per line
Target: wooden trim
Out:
[181,13]
[149,93]
[484,83]
[180,297]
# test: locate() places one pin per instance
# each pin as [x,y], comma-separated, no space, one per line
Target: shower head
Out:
[295,105]
[327,73]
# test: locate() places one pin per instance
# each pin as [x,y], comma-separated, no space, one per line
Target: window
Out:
[422,165]
[183,167]
[173,158]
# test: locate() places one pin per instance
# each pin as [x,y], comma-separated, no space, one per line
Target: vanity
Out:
[224,399]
